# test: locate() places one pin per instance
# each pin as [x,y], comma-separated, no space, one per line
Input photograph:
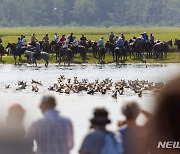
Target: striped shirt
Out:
[53,134]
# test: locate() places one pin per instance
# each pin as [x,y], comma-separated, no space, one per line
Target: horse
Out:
[15,52]
[177,42]
[101,53]
[79,49]
[55,48]
[111,47]
[2,51]
[32,58]
[94,49]
[65,55]
[161,49]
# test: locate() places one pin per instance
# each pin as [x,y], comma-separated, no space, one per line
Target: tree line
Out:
[89,12]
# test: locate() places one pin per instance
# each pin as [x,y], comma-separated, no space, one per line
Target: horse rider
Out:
[123,37]
[101,42]
[21,38]
[0,41]
[33,40]
[24,43]
[63,39]
[83,39]
[18,45]
[120,44]
[111,37]
[144,37]
[37,50]
[71,38]
[56,38]
[151,39]
[75,44]
[46,38]
[65,46]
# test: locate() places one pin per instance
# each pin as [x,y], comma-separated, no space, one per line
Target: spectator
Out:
[12,136]
[53,133]
[165,125]
[131,132]
[95,141]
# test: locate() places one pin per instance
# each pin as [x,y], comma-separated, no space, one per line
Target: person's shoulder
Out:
[123,129]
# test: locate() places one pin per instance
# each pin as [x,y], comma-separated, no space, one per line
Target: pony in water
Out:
[32,58]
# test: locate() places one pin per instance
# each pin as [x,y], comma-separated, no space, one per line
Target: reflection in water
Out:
[79,106]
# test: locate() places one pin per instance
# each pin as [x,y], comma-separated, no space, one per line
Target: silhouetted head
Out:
[47,102]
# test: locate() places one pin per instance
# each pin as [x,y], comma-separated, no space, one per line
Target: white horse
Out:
[31,57]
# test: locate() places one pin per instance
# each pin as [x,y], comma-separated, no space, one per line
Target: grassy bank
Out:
[172,58]
[93,33]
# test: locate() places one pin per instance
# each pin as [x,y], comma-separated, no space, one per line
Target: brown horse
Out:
[177,42]
[2,51]
[16,52]
[65,55]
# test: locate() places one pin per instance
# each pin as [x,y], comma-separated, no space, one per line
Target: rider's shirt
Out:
[100,42]
[75,43]
[24,43]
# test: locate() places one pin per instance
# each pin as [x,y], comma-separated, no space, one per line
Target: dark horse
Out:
[101,54]
[120,53]
[2,51]
[161,49]
[177,42]
[81,50]
[65,55]
[15,52]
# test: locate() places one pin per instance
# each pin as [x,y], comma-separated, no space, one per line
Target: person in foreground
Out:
[100,140]
[130,131]
[165,125]
[53,133]
[12,134]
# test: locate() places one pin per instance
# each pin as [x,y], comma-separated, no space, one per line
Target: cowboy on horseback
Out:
[18,45]
[101,42]
[120,44]
[111,37]
[151,39]
[83,39]
[63,39]
[0,41]
[23,40]
[46,38]
[33,40]
[71,38]
[123,37]
[56,38]
[37,50]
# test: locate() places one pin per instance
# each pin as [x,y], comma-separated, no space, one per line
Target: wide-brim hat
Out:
[100,117]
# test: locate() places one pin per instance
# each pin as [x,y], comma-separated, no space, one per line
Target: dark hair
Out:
[100,117]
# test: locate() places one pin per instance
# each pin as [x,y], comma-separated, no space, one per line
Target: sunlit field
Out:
[94,33]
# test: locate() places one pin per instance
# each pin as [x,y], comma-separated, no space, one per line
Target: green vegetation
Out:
[94,33]
[89,12]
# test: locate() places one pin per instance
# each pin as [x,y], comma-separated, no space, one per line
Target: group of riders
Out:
[71,42]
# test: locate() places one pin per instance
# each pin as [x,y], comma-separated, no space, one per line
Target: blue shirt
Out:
[101,42]
[37,48]
[120,42]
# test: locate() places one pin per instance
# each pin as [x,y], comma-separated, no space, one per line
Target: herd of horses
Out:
[138,50]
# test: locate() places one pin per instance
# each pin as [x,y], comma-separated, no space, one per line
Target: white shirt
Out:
[24,41]
[75,42]
[53,134]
